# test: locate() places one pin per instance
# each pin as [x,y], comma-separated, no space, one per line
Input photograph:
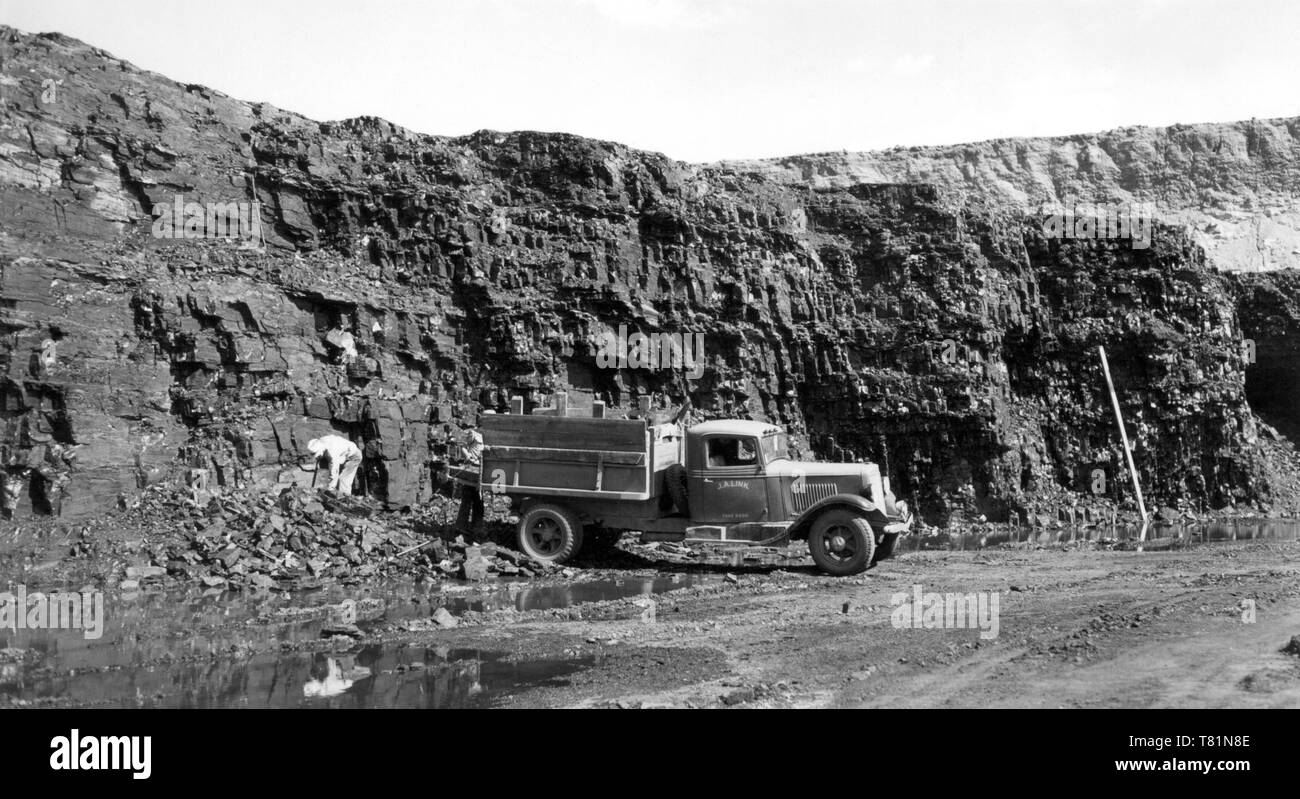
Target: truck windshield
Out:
[775,447]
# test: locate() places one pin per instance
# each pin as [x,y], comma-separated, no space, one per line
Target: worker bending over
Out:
[344,457]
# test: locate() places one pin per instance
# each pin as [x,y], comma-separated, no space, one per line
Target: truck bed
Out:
[544,455]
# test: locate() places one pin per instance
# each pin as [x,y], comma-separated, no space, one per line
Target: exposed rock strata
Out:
[933,329]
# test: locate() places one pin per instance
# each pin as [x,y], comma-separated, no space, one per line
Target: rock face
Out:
[387,285]
[1269,310]
[1234,187]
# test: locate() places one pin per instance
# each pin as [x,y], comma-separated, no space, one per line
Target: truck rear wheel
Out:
[550,533]
[842,543]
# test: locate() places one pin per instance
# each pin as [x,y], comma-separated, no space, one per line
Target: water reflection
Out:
[371,676]
[563,596]
[331,676]
[170,649]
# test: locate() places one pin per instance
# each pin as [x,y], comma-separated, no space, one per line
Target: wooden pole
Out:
[1123,435]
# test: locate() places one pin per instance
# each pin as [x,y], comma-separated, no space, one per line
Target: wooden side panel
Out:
[564,432]
[577,456]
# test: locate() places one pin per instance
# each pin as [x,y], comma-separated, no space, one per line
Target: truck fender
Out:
[803,525]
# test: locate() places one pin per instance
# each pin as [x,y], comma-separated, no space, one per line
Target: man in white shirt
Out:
[344,458]
[472,447]
[469,519]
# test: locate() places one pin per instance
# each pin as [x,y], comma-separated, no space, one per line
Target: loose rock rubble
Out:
[295,539]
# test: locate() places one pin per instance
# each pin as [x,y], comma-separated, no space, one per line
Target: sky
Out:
[704,80]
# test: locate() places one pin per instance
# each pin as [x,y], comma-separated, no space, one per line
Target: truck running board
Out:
[744,533]
[706,532]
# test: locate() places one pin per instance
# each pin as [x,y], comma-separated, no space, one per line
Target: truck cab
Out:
[741,471]
[740,476]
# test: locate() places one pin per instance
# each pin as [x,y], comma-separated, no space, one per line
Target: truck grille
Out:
[811,495]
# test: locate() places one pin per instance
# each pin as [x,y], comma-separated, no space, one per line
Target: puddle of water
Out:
[165,649]
[563,596]
[368,676]
[1159,535]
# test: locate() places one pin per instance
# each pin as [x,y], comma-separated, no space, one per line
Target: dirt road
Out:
[1075,628]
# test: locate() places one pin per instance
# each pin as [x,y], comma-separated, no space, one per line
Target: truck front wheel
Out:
[550,533]
[842,543]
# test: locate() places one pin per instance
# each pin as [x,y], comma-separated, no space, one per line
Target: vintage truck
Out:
[573,479]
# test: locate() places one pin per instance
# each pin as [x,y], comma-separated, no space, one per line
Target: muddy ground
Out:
[1081,624]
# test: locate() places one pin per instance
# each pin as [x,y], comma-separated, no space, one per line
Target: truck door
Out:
[729,487]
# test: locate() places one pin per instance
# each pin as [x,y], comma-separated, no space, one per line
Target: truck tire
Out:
[842,542]
[885,549]
[550,533]
[675,485]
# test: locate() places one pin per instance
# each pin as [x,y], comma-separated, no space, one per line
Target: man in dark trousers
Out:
[469,520]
